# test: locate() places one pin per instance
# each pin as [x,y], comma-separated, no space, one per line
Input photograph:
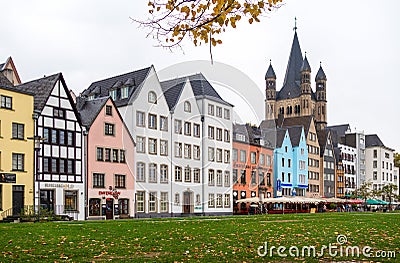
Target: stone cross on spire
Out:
[295,24]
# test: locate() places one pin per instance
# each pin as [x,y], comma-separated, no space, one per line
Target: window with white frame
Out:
[164,202]
[178,149]
[219,200]
[268,162]
[211,154]
[211,109]
[188,151]
[18,131]
[262,159]
[243,156]
[227,156]
[152,97]
[196,130]
[235,155]
[113,94]
[211,177]
[210,132]
[178,174]
[187,107]
[219,155]
[177,200]
[6,102]
[178,126]
[196,175]
[188,174]
[124,92]
[196,152]
[227,136]
[140,201]
[140,144]
[227,200]
[152,121]
[163,173]
[164,147]
[163,123]
[227,114]
[218,112]
[219,134]
[140,120]
[227,179]
[18,161]
[152,173]
[187,128]
[153,202]
[211,202]
[198,199]
[152,146]
[100,154]
[253,157]
[140,172]
[219,178]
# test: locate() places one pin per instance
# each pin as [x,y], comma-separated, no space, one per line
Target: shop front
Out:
[111,204]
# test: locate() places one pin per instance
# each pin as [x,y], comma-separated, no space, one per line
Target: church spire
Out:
[294,64]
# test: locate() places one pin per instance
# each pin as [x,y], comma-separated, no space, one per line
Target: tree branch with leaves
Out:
[171,21]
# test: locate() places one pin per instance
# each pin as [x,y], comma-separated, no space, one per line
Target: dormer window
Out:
[124,92]
[187,107]
[152,97]
[113,94]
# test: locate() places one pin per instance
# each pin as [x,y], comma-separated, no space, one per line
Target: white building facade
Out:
[60,179]
[349,162]
[380,168]
[169,123]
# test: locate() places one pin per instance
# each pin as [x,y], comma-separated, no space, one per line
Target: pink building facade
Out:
[109,161]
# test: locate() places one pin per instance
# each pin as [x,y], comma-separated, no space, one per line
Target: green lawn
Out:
[224,239]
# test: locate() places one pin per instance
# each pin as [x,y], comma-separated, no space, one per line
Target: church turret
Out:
[270,82]
[305,88]
[321,114]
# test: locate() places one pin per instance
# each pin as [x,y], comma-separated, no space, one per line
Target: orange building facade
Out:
[252,167]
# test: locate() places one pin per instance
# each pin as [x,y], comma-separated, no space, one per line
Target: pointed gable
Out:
[89,110]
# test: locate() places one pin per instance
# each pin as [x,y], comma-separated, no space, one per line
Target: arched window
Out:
[187,107]
[152,97]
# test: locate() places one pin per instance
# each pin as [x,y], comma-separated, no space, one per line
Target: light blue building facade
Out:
[290,162]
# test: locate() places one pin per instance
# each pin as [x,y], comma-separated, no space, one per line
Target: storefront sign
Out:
[58,185]
[8,178]
[115,194]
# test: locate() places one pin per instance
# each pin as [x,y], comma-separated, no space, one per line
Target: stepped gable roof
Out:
[200,85]
[295,135]
[89,110]
[41,88]
[102,88]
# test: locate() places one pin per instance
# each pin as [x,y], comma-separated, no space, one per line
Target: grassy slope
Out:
[233,239]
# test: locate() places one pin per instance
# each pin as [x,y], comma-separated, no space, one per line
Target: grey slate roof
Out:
[132,79]
[304,121]
[320,74]
[41,88]
[89,110]
[372,140]
[305,66]
[200,86]
[172,93]
[295,135]
[280,136]
[339,129]
[270,72]
[322,139]
[4,81]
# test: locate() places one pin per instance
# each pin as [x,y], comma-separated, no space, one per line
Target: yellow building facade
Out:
[16,151]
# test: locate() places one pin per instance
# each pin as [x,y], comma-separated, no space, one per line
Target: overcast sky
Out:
[358,43]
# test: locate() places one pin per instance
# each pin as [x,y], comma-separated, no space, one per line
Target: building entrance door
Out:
[17,199]
[187,202]
[109,208]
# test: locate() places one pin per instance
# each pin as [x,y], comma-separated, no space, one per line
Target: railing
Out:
[6,213]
